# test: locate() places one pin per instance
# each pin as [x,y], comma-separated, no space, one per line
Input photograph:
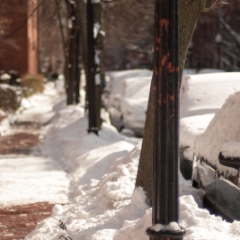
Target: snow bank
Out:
[103,202]
[198,223]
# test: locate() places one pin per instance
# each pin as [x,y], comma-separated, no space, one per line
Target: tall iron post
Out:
[92,104]
[166,118]
[78,66]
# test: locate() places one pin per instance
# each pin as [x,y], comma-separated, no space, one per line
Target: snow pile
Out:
[30,179]
[225,127]
[172,226]
[69,130]
[96,190]
[103,202]
[198,223]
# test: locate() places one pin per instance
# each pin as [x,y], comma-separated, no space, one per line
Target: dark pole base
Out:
[93,130]
[166,234]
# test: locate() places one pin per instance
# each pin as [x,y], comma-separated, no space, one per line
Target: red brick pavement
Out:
[18,143]
[18,221]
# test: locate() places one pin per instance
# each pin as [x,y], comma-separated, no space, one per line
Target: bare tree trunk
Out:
[72,55]
[189,13]
[81,19]
[78,68]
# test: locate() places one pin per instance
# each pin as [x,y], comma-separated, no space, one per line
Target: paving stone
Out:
[18,221]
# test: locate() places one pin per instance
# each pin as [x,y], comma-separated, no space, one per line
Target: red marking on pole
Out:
[156,71]
[158,40]
[164,59]
[164,23]
[157,48]
[172,98]
[170,67]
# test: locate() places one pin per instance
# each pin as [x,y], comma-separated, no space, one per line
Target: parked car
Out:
[217,161]
[128,104]
[210,70]
[189,71]
[134,103]
[115,77]
[201,96]
[126,98]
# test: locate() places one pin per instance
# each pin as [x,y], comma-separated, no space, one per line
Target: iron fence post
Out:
[92,98]
[166,117]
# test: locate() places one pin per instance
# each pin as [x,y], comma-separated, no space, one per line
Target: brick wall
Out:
[32,36]
[19,46]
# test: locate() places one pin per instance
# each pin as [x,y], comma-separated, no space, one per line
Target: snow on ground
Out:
[30,179]
[101,170]
[33,178]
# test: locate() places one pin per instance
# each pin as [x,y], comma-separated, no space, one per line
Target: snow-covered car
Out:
[189,71]
[217,161]
[115,77]
[128,97]
[128,104]
[209,70]
[134,100]
[201,96]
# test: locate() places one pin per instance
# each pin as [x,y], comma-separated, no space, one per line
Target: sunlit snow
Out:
[95,177]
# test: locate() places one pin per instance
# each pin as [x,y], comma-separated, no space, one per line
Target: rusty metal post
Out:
[91,85]
[166,117]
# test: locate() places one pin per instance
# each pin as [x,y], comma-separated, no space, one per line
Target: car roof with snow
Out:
[118,76]
[201,96]
[224,128]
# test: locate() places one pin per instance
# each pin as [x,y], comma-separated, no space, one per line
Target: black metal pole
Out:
[219,54]
[166,111]
[70,83]
[78,68]
[92,105]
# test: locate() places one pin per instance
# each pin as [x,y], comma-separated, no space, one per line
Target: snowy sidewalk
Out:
[30,184]
[29,178]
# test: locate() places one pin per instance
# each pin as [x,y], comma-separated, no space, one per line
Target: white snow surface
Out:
[231,149]
[172,226]
[96,175]
[25,179]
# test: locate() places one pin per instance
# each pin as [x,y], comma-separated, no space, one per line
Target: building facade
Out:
[18,38]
